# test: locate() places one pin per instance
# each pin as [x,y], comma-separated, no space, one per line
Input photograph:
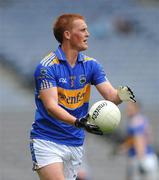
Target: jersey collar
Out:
[61,55]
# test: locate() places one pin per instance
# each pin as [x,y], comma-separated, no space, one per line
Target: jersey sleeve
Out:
[44,78]
[99,74]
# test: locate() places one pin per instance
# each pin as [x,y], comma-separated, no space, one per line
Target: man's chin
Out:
[84,48]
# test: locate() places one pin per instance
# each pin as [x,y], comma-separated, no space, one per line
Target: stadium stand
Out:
[124,37]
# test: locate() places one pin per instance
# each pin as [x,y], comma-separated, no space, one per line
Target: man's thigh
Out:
[51,172]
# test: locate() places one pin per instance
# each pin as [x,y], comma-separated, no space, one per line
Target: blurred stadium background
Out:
[124,38]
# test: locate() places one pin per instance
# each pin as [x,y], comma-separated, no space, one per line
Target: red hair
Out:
[63,23]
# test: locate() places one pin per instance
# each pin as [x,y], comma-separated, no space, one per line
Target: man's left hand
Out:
[126,94]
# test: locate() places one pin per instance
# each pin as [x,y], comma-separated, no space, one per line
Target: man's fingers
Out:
[132,98]
[94,129]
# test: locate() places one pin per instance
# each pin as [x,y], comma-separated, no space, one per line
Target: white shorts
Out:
[149,165]
[46,152]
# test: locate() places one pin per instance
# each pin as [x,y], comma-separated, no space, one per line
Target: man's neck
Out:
[71,55]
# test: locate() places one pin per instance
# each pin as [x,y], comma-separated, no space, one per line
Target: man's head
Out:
[132,108]
[71,28]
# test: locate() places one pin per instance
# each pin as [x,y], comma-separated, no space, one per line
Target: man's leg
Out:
[52,172]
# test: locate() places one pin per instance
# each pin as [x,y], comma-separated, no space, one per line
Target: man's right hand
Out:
[91,128]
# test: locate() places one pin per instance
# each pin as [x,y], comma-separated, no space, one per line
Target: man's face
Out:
[131,109]
[79,35]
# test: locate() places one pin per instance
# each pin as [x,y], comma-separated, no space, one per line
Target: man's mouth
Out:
[85,41]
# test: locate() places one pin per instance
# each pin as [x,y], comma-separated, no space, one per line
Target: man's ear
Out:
[67,35]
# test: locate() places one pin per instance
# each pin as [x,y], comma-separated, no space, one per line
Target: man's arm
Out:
[109,92]
[49,98]
[123,93]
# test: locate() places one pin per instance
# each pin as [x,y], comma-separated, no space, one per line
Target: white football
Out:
[106,115]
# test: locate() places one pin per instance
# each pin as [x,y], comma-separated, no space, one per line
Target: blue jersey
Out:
[73,86]
[138,125]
